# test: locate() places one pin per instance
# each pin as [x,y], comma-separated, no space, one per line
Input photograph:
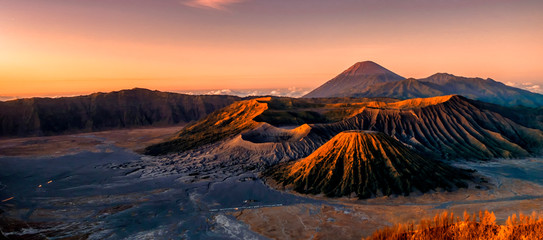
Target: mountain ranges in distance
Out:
[105,111]
[141,107]
[369,79]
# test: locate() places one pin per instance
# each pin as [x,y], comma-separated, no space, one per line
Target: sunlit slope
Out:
[366,164]
[251,116]
[445,127]
[219,125]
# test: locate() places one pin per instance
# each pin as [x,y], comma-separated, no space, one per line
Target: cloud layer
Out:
[527,86]
[282,92]
[216,4]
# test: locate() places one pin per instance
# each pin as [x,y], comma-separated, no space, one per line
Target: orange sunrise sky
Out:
[83,46]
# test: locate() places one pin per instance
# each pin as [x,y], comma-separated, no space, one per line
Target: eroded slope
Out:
[447,127]
[366,164]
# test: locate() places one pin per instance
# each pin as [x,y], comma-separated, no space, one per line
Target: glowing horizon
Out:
[72,47]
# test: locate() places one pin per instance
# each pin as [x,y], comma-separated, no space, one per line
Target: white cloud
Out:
[215,4]
[283,92]
[532,87]
[7,98]
[219,92]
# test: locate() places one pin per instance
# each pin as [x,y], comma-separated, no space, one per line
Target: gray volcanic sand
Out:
[111,192]
[96,195]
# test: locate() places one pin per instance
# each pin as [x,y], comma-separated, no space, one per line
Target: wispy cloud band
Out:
[215,4]
[527,86]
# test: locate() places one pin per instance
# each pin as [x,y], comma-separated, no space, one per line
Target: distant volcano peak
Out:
[355,79]
[366,68]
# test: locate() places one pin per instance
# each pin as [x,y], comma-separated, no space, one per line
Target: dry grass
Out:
[476,226]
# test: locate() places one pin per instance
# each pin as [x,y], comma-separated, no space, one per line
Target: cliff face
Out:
[102,111]
[366,164]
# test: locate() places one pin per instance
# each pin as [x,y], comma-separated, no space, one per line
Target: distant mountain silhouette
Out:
[404,89]
[355,79]
[102,111]
[365,84]
[366,164]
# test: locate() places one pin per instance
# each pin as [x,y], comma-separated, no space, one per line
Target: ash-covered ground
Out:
[99,187]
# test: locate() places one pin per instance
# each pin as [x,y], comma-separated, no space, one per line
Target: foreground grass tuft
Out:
[476,226]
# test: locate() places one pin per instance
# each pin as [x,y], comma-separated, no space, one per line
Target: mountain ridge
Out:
[446,127]
[104,111]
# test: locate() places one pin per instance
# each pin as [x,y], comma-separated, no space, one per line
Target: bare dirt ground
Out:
[513,188]
[133,139]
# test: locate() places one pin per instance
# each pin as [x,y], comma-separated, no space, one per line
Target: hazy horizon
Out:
[281,92]
[88,46]
[240,92]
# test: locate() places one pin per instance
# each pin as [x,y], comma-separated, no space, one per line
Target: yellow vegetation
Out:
[477,226]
